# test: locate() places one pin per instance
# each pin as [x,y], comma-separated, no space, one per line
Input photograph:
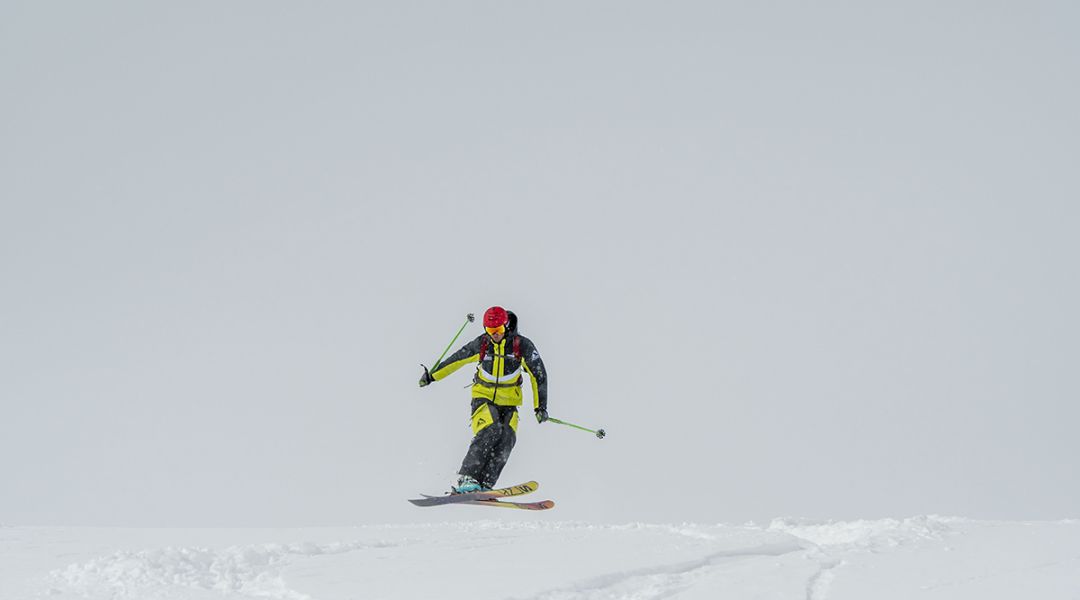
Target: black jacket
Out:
[499,375]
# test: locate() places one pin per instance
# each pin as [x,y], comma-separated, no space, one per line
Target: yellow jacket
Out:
[499,373]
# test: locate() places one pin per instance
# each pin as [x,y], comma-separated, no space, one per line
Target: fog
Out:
[796,259]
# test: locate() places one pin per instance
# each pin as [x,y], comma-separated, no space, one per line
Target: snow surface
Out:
[920,557]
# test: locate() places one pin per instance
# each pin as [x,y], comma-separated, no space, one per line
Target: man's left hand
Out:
[541,415]
[426,378]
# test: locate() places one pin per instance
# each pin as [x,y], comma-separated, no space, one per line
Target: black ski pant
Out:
[491,446]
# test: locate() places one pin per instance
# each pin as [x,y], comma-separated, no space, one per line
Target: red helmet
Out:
[495,316]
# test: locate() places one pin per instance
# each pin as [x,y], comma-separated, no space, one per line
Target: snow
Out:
[929,557]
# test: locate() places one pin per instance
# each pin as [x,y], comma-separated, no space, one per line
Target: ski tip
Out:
[517,490]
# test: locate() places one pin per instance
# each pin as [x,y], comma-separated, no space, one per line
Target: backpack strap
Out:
[516,346]
[483,348]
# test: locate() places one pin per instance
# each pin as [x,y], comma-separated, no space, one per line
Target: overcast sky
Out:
[810,259]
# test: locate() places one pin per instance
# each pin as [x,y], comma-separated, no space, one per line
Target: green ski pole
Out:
[469,318]
[600,433]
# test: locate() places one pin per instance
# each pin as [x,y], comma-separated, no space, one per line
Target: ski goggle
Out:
[496,330]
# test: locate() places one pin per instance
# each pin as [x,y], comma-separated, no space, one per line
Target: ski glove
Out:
[541,415]
[426,377]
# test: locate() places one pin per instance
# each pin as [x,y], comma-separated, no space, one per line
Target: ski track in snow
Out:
[818,586]
[256,570]
[657,582]
[820,541]
[828,538]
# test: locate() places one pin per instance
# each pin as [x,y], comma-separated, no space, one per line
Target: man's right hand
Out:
[426,377]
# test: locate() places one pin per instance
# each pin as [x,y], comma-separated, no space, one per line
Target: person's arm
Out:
[469,353]
[534,366]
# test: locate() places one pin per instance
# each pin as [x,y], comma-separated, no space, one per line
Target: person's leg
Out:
[500,451]
[486,436]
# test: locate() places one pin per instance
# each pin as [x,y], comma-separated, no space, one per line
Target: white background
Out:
[813,259]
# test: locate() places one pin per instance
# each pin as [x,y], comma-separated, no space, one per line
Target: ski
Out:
[514,490]
[542,505]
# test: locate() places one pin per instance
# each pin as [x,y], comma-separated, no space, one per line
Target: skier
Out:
[502,353]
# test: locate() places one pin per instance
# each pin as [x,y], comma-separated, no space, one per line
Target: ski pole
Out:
[469,318]
[600,433]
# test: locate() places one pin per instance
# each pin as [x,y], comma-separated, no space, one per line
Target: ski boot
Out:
[465,484]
